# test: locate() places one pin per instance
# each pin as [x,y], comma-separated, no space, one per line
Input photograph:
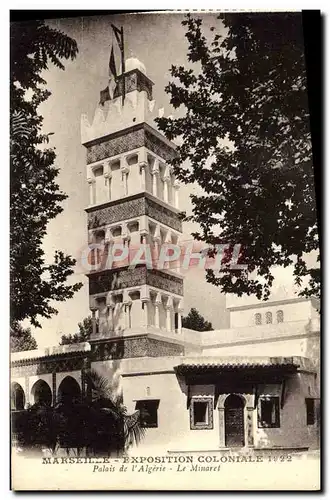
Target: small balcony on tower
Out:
[130,173]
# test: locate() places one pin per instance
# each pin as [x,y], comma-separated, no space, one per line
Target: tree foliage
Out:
[85,331]
[98,424]
[195,321]
[21,339]
[35,195]
[244,130]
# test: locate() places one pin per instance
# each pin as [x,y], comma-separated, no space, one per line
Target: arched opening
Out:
[17,397]
[234,421]
[99,236]
[280,316]
[41,393]
[69,391]
[257,319]
[269,318]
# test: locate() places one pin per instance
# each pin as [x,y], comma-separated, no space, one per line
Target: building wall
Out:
[173,431]
[293,430]
[296,311]
[301,346]
[174,434]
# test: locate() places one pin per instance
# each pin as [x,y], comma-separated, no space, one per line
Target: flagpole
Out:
[123,63]
[119,33]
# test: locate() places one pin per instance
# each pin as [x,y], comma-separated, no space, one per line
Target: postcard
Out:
[165,274]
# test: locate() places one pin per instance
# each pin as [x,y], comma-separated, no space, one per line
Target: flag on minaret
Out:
[108,92]
[112,74]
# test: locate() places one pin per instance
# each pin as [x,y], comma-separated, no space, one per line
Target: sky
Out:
[158,41]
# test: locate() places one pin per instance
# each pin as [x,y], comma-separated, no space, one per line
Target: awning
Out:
[241,374]
[211,365]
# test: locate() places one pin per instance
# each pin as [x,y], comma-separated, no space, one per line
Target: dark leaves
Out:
[35,195]
[246,142]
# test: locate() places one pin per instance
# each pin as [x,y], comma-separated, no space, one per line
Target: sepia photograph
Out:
[165,280]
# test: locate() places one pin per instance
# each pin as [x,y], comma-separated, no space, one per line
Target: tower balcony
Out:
[136,309]
[126,174]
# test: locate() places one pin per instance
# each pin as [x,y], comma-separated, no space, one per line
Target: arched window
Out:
[279,316]
[17,397]
[269,318]
[69,391]
[41,393]
[257,319]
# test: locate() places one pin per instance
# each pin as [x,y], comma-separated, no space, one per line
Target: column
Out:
[168,240]
[85,388]
[93,310]
[111,307]
[143,167]
[54,388]
[222,439]
[145,312]
[167,180]
[143,229]
[176,187]
[108,238]
[127,309]
[155,175]
[108,176]
[158,302]
[249,427]
[143,236]
[157,242]
[126,240]
[169,309]
[145,298]
[27,391]
[124,168]
[91,183]
[112,317]
[180,312]
[103,319]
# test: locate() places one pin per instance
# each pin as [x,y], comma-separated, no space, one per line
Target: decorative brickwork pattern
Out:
[120,349]
[115,145]
[117,348]
[136,206]
[116,212]
[134,348]
[112,280]
[158,348]
[163,214]
[165,281]
[134,80]
[46,365]
[126,140]
[158,146]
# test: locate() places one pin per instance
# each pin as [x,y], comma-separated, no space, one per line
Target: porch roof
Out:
[243,364]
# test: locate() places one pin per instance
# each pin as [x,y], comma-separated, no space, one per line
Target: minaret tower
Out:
[133,201]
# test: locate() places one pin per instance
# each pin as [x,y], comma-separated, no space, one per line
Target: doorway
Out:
[234,422]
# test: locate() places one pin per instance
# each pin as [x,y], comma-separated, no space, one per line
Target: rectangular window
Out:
[201,413]
[269,412]
[310,411]
[148,412]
